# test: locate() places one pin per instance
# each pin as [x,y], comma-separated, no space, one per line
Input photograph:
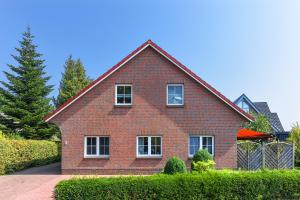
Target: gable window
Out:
[175,94]
[123,94]
[243,105]
[95,146]
[149,146]
[201,142]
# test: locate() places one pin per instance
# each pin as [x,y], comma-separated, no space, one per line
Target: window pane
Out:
[102,152]
[127,99]
[89,151]
[155,149]
[94,150]
[104,145]
[207,144]
[101,141]
[120,89]
[106,150]
[143,145]
[171,89]
[143,150]
[194,145]
[128,90]
[106,140]
[120,100]
[155,145]
[89,141]
[178,90]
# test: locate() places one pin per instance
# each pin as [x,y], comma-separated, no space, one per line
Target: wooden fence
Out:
[272,155]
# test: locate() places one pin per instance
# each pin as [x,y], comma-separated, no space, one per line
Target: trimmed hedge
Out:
[17,154]
[208,185]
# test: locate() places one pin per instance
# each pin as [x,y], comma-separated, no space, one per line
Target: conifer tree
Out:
[24,100]
[73,80]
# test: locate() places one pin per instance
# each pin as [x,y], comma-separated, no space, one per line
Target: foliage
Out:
[261,124]
[73,80]
[209,185]
[175,165]
[17,154]
[202,166]
[295,138]
[24,100]
[201,155]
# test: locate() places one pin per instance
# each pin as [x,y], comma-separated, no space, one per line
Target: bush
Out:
[201,166]
[209,185]
[175,165]
[201,155]
[17,154]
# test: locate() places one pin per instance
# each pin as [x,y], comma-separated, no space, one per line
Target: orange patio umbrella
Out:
[245,134]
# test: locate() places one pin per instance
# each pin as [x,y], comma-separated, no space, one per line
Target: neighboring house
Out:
[144,110]
[262,108]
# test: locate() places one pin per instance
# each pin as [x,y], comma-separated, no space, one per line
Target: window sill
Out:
[96,157]
[175,106]
[122,106]
[149,157]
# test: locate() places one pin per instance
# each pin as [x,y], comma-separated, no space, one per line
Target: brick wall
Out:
[149,73]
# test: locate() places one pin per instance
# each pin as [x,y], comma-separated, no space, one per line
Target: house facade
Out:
[145,109]
[263,108]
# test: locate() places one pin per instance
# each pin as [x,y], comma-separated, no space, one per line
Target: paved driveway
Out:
[31,184]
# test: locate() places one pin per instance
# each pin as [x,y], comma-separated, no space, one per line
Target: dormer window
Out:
[123,94]
[175,94]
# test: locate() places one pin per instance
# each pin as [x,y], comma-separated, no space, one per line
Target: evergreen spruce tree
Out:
[24,100]
[73,80]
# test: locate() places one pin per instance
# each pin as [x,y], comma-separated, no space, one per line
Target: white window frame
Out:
[167,89]
[149,147]
[116,94]
[97,147]
[201,144]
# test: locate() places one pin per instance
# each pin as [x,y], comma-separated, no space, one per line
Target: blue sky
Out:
[250,47]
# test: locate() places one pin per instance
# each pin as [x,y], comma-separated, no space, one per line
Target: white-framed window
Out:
[197,142]
[175,94]
[96,146]
[123,94]
[149,146]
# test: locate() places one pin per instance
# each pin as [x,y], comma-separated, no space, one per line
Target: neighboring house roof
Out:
[245,98]
[149,43]
[263,108]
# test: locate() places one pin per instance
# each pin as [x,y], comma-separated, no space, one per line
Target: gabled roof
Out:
[245,98]
[263,108]
[149,43]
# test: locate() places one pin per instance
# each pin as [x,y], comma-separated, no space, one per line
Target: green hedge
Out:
[208,185]
[19,154]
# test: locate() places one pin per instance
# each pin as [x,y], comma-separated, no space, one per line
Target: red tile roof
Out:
[129,57]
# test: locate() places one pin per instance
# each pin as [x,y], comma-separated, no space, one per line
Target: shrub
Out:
[17,154]
[175,165]
[201,166]
[209,185]
[201,155]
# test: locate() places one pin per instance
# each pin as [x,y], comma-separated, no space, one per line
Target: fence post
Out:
[293,159]
[263,155]
[277,148]
[248,157]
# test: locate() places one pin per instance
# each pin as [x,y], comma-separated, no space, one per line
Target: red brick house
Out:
[142,111]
